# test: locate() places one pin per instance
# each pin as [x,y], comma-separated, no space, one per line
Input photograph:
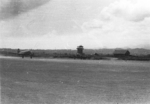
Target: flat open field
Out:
[62,81]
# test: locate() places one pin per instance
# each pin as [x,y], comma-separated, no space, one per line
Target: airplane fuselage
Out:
[25,53]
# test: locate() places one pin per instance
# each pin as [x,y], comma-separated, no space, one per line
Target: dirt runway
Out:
[63,81]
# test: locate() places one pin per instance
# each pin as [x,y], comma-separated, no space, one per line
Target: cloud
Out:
[133,10]
[91,25]
[60,24]
[121,24]
[12,8]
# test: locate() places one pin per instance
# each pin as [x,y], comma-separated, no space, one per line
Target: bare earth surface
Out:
[62,81]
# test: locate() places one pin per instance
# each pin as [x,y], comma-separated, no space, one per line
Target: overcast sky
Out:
[65,24]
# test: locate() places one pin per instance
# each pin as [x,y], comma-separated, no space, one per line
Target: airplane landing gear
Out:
[31,56]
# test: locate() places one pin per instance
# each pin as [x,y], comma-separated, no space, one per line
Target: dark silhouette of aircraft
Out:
[24,53]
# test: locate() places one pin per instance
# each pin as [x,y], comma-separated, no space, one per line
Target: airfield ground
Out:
[62,81]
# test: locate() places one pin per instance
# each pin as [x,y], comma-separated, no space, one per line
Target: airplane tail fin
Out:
[18,51]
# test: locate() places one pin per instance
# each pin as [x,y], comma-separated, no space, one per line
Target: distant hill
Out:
[137,51]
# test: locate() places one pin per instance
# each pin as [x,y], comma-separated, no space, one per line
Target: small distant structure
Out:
[80,49]
[121,53]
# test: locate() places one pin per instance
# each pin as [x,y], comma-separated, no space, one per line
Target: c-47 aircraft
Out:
[24,53]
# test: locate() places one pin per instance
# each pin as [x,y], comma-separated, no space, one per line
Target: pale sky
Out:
[65,24]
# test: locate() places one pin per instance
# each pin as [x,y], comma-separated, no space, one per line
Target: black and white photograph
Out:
[74,51]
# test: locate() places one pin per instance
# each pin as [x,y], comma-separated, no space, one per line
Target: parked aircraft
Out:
[24,53]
